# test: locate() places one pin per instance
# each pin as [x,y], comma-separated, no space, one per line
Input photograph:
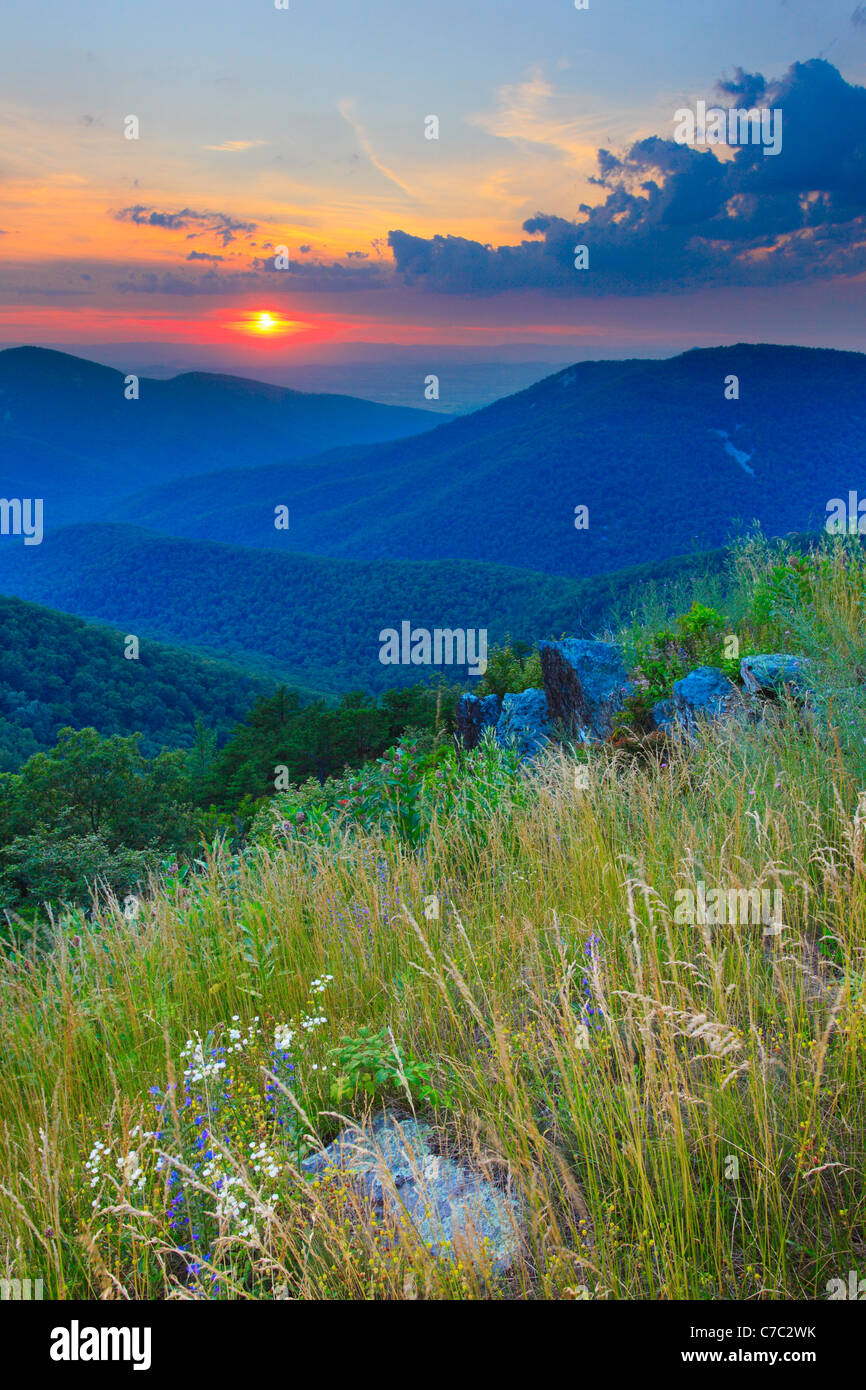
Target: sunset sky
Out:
[306,128]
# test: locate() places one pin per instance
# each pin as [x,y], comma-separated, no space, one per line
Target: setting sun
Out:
[263,322]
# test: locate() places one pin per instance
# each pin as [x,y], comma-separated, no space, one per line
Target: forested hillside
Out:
[57,671]
[311,622]
[662,460]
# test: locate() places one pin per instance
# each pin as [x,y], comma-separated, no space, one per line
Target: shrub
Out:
[373,1064]
[511,668]
[52,866]
[397,796]
[698,638]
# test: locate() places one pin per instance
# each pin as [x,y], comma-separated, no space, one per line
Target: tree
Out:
[104,787]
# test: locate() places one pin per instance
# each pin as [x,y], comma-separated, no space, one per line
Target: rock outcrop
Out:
[703,695]
[475,714]
[585,683]
[775,673]
[524,723]
[452,1209]
[664,713]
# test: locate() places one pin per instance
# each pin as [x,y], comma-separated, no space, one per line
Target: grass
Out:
[681,1104]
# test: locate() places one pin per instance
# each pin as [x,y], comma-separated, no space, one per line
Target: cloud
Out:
[675,217]
[532,112]
[209,282]
[308,277]
[858,18]
[327,276]
[203,256]
[346,108]
[236,146]
[220,224]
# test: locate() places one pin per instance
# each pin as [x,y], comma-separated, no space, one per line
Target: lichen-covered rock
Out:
[585,683]
[474,714]
[773,673]
[524,723]
[705,694]
[453,1210]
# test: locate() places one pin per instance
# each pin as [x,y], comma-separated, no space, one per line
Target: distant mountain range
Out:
[464,524]
[663,461]
[311,621]
[69,435]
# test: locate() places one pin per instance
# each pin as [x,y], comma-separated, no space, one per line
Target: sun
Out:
[263,323]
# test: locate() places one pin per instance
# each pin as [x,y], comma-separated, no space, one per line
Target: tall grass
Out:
[681,1105]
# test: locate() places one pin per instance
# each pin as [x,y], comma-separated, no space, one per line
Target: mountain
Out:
[56,670]
[311,621]
[69,435]
[662,460]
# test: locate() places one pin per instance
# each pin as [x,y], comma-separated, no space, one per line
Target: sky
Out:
[304,128]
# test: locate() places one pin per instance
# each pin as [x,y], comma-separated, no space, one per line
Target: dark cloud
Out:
[203,256]
[209,282]
[326,276]
[747,88]
[679,217]
[219,224]
[308,277]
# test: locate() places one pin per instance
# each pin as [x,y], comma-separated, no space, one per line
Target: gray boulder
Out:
[585,683]
[705,694]
[524,723]
[664,713]
[774,673]
[474,714]
[452,1208]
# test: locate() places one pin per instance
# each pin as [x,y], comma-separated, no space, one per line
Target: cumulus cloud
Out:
[679,217]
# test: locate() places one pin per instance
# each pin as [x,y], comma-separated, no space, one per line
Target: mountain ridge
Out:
[651,446]
[177,427]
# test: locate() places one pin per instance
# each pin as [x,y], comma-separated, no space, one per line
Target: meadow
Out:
[493,946]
